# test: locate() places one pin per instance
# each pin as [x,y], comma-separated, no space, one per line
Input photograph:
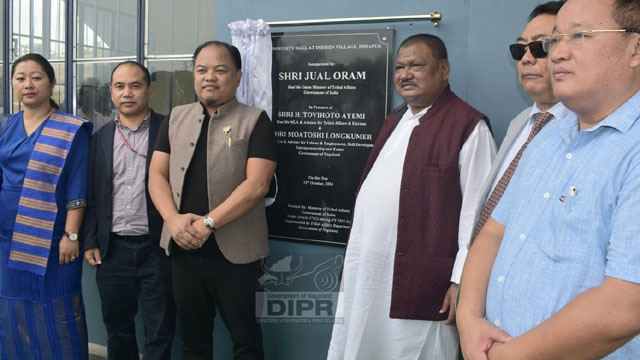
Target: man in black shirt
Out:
[212,165]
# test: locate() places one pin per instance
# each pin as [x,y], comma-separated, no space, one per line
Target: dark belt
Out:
[131,238]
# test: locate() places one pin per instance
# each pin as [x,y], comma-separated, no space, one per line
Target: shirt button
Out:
[127,206]
[501,279]
[497,322]
[192,144]
[129,187]
[546,195]
[128,225]
[569,156]
[522,236]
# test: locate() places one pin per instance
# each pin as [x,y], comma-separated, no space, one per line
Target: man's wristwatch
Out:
[209,223]
[71,235]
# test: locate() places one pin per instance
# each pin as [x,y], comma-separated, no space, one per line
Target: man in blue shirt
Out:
[555,272]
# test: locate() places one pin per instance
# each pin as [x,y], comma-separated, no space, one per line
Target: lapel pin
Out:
[226,130]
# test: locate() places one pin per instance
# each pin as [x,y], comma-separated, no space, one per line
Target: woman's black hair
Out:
[44,64]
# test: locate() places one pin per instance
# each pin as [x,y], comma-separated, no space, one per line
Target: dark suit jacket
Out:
[96,226]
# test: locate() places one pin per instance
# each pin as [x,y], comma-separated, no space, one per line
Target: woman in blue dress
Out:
[43,159]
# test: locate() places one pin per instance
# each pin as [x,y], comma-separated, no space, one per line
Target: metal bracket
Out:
[434,17]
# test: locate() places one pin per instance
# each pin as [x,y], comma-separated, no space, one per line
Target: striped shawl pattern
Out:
[37,209]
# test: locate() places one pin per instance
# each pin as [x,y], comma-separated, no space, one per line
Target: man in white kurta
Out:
[364,328]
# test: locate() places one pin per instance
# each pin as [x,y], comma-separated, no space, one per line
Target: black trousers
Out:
[203,283]
[131,272]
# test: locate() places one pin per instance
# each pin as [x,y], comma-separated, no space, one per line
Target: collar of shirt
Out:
[143,124]
[621,119]
[222,109]
[409,113]
[205,112]
[558,111]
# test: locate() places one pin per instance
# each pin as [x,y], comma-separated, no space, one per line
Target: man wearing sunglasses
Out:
[554,273]
[534,75]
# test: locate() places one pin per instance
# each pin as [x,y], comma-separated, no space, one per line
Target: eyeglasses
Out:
[535,47]
[576,39]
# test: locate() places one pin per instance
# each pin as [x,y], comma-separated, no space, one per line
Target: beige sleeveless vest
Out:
[245,239]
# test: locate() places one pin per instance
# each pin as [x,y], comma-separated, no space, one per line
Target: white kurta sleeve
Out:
[475,160]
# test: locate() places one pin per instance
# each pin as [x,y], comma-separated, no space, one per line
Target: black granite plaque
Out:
[330,97]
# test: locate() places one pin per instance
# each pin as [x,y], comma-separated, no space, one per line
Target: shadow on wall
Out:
[171,89]
[94,103]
